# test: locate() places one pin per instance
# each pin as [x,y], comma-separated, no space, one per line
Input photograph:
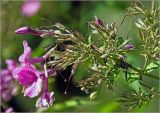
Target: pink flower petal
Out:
[45,100]
[23,67]
[25,44]
[4,72]
[34,89]
[15,72]
[11,64]
[9,110]
[6,76]
[6,85]
[30,7]
[36,60]
[22,30]
[26,75]
[26,54]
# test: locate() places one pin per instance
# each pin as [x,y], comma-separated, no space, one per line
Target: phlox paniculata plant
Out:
[104,51]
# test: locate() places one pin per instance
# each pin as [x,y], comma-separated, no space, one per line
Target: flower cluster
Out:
[32,79]
[77,53]
[7,85]
[105,57]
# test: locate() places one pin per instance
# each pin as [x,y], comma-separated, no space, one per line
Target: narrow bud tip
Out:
[22,30]
[129,46]
[98,21]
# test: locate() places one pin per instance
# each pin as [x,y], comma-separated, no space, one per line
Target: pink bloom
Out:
[27,74]
[9,110]
[11,64]
[7,86]
[45,100]
[29,77]
[30,7]
[25,57]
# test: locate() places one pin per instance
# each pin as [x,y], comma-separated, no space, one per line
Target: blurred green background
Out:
[75,15]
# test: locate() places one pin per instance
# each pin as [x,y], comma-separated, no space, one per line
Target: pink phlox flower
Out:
[47,97]
[45,100]
[30,7]
[28,76]
[11,64]
[7,85]
[9,110]
[33,80]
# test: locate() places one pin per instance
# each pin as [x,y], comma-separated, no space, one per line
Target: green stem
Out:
[145,63]
[141,72]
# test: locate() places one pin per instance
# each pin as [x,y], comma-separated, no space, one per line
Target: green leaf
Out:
[151,67]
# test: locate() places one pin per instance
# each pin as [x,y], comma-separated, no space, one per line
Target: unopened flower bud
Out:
[129,46]
[27,30]
[98,21]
